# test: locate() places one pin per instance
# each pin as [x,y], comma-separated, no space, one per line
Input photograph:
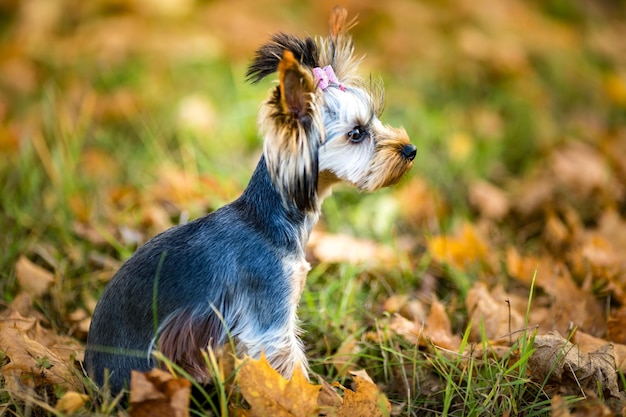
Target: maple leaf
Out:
[270,394]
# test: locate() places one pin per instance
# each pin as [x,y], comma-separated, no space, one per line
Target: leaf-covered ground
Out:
[491,281]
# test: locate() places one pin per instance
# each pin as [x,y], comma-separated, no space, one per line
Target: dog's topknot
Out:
[269,55]
[336,50]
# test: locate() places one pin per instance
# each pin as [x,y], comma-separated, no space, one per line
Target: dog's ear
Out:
[296,88]
[294,130]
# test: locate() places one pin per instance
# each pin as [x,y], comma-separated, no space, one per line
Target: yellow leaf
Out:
[459,250]
[615,88]
[460,147]
[270,394]
[71,402]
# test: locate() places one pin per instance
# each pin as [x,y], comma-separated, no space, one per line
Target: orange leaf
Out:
[366,400]
[270,394]
[464,248]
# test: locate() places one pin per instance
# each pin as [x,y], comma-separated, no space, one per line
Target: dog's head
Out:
[321,123]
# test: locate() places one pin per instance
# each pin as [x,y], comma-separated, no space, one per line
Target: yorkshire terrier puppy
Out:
[239,272]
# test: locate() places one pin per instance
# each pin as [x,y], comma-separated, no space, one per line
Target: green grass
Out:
[512,120]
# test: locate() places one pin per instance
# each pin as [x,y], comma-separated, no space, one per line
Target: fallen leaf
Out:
[491,313]
[32,364]
[460,250]
[615,88]
[71,402]
[366,400]
[34,279]
[270,394]
[581,169]
[559,407]
[421,203]
[589,344]
[559,361]
[491,202]
[616,325]
[343,360]
[328,399]
[555,279]
[157,393]
[437,329]
[336,248]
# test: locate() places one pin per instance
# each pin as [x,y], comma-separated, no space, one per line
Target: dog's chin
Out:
[373,184]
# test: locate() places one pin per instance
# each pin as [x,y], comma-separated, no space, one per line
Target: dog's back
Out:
[179,291]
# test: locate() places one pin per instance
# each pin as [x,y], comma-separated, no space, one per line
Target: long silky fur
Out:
[293,134]
[268,56]
[337,50]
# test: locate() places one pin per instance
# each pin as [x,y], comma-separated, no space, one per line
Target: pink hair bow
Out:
[325,77]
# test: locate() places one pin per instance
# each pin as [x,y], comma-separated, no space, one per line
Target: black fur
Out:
[268,56]
[230,261]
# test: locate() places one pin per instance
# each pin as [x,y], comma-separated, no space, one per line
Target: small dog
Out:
[239,272]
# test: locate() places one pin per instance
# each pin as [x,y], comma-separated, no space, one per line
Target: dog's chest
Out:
[297,269]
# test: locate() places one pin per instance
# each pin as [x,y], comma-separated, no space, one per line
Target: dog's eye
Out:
[357,134]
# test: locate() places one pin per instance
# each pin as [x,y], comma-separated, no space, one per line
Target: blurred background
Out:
[119,118]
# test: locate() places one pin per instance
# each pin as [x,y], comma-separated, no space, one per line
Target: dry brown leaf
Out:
[420,203]
[366,400]
[66,348]
[581,169]
[21,304]
[32,364]
[599,252]
[436,330]
[34,279]
[559,407]
[270,394]
[157,393]
[491,312]
[489,200]
[440,329]
[616,326]
[343,360]
[589,344]
[554,278]
[335,248]
[328,399]
[561,362]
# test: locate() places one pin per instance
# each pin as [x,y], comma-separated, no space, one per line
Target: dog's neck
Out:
[283,224]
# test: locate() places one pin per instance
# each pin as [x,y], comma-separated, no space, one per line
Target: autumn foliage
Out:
[491,281]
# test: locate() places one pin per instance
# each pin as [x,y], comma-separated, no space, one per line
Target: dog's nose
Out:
[409,151]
